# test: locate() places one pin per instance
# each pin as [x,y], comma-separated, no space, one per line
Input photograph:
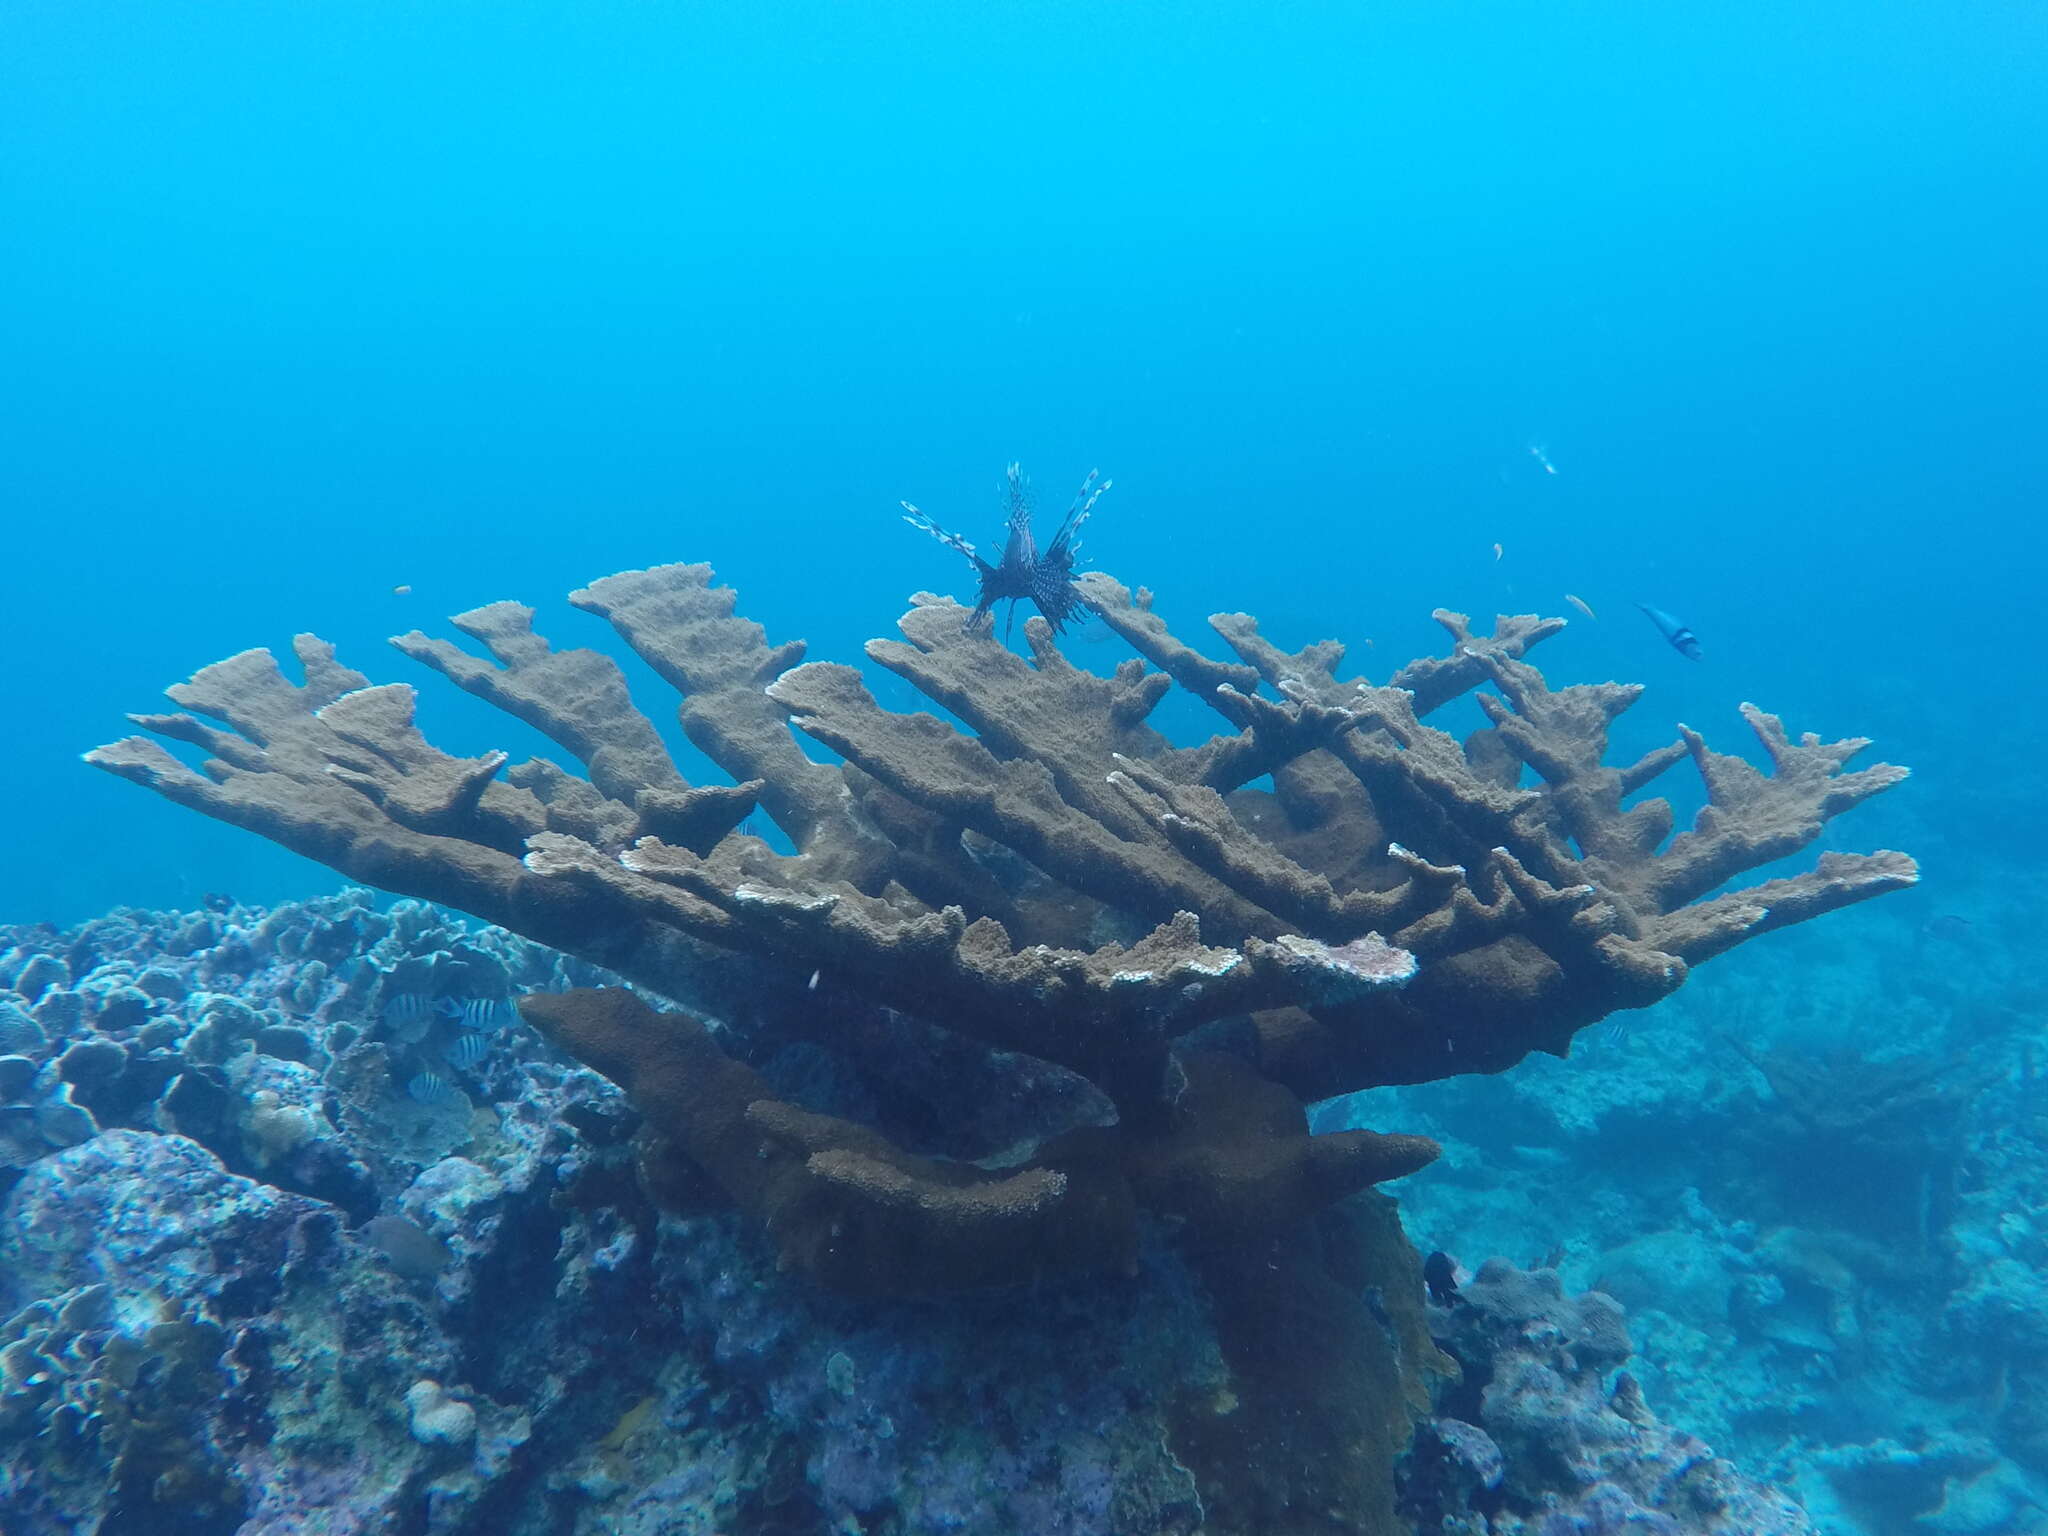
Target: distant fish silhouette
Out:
[1440,1275]
[407,1008]
[1682,639]
[413,1251]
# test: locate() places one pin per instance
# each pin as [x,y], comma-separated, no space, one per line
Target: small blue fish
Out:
[406,1008]
[430,1088]
[1682,639]
[465,1051]
[475,1012]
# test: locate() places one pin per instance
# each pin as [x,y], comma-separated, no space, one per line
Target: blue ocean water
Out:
[345,319]
[302,307]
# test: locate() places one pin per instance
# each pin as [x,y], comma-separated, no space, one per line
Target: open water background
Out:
[299,304]
[1734,308]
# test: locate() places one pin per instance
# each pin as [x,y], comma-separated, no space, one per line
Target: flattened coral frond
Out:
[1054,876]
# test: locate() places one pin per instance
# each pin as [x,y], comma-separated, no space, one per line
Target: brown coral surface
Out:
[1035,867]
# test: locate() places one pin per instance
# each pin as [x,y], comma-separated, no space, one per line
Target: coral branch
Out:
[1041,872]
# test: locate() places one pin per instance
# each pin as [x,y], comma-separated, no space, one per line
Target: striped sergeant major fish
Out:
[406,1008]
[475,1012]
[1682,639]
[430,1088]
[466,1050]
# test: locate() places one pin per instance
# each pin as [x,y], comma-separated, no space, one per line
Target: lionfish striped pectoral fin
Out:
[923,520]
[1067,542]
[1044,579]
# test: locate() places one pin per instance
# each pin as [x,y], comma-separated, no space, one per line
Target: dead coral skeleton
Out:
[1044,872]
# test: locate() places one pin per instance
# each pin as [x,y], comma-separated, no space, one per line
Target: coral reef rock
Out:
[1058,880]
[1545,1435]
[1027,995]
[479,1324]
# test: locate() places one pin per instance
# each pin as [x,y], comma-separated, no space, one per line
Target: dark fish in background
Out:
[414,1252]
[1682,639]
[1949,928]
[1046,580]
[406,1008]
[217,901]
[1440,1274]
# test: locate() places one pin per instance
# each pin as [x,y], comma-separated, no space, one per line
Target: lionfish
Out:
[1045,579]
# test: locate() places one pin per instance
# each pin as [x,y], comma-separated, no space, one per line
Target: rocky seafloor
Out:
[304,1231]
[1820,1187]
